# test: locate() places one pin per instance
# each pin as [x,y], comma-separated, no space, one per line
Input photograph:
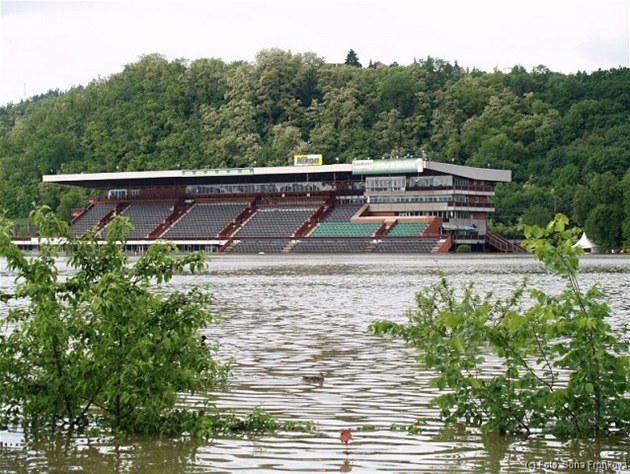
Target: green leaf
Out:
[104,337]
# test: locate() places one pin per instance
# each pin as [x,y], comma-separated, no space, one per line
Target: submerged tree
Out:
[106,342]
[564,370]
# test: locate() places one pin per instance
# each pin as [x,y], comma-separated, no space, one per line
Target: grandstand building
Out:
[380,206]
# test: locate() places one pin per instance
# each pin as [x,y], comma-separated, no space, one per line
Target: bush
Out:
[564,370]
[106,343]
[464,248]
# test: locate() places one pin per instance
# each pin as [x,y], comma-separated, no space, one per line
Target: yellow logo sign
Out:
[308,160]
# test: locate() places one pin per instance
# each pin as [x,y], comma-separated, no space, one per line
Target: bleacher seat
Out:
[398,245]
[260,246]
[146,216]
[91,217]
[342,213]
[407,229]
[331,246]
[275,222]
[204,220]
[345,229]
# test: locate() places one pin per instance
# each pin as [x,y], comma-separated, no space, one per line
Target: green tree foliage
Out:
[536,215]
[564,370]
[106,342]
[397,90]
[352,59]
[625,185]
[554,131]
[599,208]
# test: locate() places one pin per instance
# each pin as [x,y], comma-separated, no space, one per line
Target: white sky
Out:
[57,44]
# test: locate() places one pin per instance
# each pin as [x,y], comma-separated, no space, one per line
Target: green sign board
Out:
[219,172]
[415,165]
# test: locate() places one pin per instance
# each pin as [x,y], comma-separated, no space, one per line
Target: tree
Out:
[599,209]
[106,342]
[340,120]
[275,84]
[352,59]
[286,143]
[454,105]
[536,215]
[626,208]
[204,83]
[157,114]
[231,139]
[398,90]
[564,370]
[499,151]
[392,135]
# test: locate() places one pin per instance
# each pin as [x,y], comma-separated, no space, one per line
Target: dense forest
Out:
[566,138]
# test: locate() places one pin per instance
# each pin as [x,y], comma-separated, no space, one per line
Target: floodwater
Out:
[282,317]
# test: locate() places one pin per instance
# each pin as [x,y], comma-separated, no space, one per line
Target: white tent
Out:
[586,244]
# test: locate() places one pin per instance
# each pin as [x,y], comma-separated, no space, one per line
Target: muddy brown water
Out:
[282,317]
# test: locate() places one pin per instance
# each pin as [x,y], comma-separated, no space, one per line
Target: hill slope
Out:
[565,137]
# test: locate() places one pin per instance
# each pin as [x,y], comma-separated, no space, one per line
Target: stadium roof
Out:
[270,174]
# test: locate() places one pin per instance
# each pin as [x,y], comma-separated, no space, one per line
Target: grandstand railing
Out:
[382,230]
[311,222]
[238,220]
[107,218]
[81,214]
[226,245]
[445,247]
[458,187]
[179,210]
[293,198]
[502,244]
[480,205]
[434,228]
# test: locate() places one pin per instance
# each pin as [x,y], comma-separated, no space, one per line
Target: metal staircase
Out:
[501,244]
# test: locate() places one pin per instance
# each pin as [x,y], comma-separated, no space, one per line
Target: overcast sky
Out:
[57,44]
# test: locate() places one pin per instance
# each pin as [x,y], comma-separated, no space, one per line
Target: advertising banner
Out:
[308,160]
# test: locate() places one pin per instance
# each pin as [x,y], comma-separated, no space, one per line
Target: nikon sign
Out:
[308,160]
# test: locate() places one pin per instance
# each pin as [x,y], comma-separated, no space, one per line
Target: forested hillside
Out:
[566,138]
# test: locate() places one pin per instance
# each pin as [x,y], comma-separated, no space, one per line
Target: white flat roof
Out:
[129,175]
[486,174]
[61,178]
[482,174]
[339,168]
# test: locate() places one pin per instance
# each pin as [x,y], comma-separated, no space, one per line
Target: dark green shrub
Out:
[105,342]
[564,370]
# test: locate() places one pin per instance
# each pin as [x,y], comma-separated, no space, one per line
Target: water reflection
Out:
[284,317]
